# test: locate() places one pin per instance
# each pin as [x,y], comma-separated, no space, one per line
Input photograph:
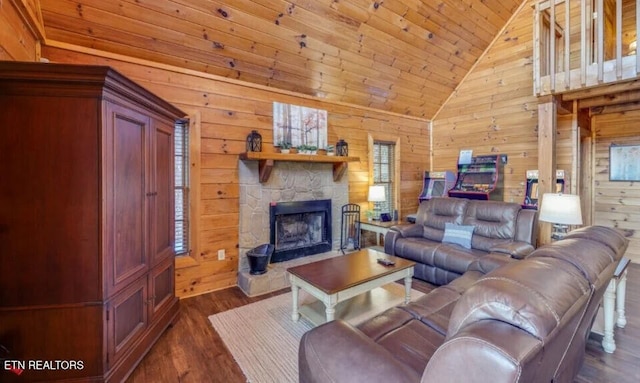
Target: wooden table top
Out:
[339,273]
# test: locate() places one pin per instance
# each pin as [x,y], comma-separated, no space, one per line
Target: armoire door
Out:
[162,201]
[126,144]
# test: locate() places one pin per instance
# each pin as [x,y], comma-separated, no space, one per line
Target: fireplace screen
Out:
[299,229]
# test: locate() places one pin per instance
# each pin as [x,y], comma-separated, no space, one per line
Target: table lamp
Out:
[561,210]
[376,195]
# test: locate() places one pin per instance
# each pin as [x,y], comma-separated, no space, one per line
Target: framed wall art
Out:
[298,125]
[624,163]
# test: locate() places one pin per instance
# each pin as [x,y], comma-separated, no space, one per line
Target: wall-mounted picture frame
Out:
[298,125]
[624,163]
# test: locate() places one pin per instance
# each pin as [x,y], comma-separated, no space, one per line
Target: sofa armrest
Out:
[338,352]
[403,230]
[517,250]
[408,230]
[486,351]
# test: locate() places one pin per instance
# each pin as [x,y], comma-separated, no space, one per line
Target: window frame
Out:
[395,141]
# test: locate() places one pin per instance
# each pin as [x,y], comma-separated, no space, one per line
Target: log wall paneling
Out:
[493,111]
[20,30]
[228,111]
[616,204]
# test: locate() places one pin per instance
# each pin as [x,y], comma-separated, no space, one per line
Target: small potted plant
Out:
[370,215]
[285,147]
[303,149]
[331,150]
[312,149]
[293,150]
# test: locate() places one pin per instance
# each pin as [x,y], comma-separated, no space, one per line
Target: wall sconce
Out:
[561,210]
[376,195]
[254,142]
[342,148]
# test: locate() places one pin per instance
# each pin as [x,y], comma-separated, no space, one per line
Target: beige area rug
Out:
[264,340]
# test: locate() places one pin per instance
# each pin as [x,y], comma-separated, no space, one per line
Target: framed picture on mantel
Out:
[298,125]
[624,163]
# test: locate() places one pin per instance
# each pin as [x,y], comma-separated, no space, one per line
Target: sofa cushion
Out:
[455,258]
[494,221]
[413,344]
[416,249]
[458,234]
[386,322]
[532,294]
[572,251]
[437,212]
[613,238]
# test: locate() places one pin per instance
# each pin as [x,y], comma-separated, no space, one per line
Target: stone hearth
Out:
[276,278]
[289,181]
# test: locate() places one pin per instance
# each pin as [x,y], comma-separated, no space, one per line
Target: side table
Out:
[612,311]
[613,303]
[378,227]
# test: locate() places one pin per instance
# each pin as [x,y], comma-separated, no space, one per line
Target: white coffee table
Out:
[339,279]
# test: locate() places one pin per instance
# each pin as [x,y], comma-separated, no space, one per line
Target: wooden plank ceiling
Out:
[403,56]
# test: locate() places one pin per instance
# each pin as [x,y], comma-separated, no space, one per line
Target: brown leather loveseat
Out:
[493,227]
[524,321]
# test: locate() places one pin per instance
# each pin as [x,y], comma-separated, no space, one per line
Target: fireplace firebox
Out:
[299,229]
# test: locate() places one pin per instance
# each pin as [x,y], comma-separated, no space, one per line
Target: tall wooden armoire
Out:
[86,221]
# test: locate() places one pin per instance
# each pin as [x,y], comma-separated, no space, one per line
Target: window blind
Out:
[383,172]
[181,152]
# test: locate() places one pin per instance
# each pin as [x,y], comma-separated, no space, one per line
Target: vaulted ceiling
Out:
[403,56]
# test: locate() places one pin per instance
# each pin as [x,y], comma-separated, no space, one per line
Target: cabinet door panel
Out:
[126,215]
[162,287]
[162,207]
[127,319]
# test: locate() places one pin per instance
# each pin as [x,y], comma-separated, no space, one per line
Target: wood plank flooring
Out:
[191,351]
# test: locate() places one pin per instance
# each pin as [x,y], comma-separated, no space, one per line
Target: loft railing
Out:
[584,43]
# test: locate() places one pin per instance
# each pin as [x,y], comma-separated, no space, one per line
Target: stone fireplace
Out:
[289,184]
[298,229]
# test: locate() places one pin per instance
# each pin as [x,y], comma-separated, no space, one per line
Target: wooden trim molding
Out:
[29,11]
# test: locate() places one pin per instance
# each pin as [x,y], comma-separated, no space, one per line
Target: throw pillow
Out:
[458,234]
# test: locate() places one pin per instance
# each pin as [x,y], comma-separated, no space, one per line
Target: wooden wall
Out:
[617,204]
[227,112]
[20,30]
[494,111]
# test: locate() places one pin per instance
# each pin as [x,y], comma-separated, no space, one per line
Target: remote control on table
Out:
[386,262]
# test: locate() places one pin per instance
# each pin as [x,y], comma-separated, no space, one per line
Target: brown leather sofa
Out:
[504,320]
[498,227]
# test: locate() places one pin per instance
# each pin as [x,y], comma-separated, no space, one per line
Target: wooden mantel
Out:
[267,160]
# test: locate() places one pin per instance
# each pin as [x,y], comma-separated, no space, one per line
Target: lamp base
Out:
[559,231]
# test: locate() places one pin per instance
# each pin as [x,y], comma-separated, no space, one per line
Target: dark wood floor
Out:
[192,351]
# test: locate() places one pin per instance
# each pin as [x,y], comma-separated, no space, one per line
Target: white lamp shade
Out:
[562,209]
[376,193]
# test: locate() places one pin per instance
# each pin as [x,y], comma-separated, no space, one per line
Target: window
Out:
[383,172]
[181,153]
